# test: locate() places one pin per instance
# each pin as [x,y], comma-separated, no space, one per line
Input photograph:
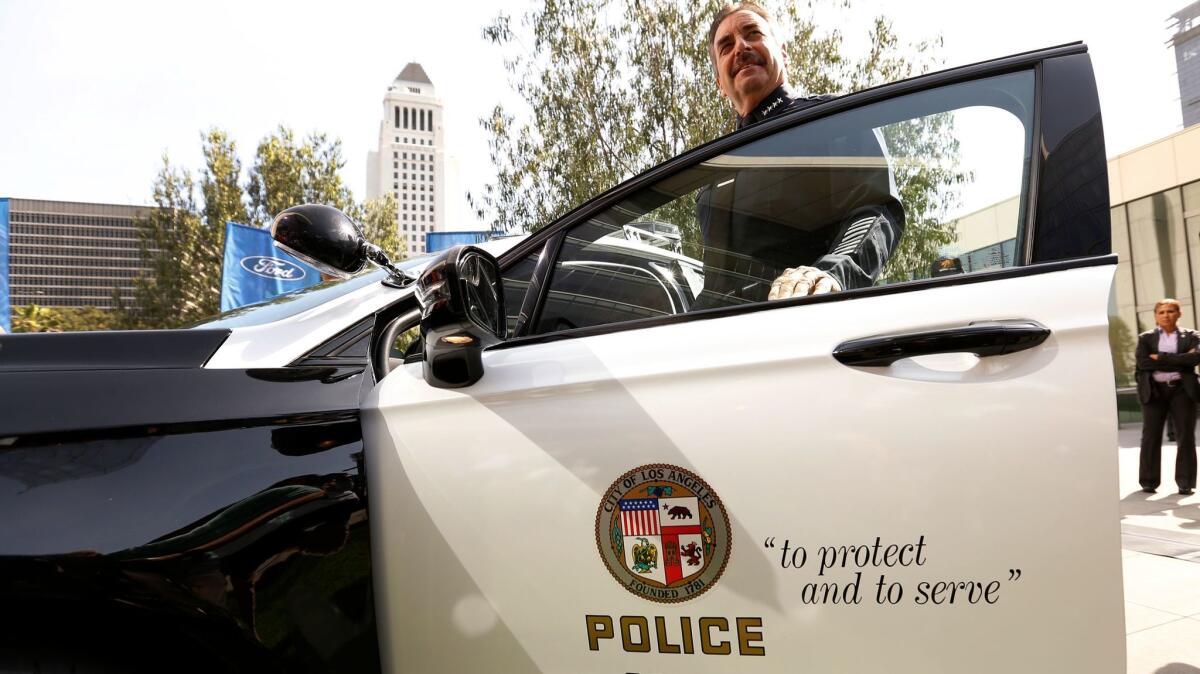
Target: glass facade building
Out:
[1155,196]
[1157,240]
[1186,41]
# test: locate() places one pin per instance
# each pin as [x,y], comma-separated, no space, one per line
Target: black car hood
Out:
[110,350]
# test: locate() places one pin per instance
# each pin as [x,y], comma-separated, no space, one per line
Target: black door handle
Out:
[991,338]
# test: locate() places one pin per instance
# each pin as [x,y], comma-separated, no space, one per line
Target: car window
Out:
[516,283]
[636,271]
[927,184]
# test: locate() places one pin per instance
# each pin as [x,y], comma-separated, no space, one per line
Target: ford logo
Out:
[272,268]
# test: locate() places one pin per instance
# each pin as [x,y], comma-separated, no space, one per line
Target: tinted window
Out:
[516,284]
[927,184]
[587,293]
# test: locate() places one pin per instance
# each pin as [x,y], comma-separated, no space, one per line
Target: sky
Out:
[93,94]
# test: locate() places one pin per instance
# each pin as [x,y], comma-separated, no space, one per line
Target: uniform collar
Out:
[774,102]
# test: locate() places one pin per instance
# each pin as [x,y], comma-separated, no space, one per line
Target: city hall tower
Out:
[410,161]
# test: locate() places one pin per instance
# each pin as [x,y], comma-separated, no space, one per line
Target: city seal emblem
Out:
[663,533]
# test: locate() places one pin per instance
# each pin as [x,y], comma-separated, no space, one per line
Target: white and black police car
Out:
[601,448]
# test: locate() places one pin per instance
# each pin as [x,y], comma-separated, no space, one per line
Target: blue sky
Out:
[94,93]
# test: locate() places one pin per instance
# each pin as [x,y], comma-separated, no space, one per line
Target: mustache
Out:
[744,59]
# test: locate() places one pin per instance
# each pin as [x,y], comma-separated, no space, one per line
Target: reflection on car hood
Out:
[293,303]
[289,334]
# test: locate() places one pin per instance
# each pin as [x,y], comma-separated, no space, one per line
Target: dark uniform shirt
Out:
[780,100]
[843,221]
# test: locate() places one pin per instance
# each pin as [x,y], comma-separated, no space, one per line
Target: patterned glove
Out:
[802,281]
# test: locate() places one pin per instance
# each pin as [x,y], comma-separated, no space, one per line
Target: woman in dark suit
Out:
[1166,382]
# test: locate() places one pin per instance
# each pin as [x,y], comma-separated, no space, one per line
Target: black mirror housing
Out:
[462,313]
[322,236]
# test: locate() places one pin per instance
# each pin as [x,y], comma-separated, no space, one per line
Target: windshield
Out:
[297,301]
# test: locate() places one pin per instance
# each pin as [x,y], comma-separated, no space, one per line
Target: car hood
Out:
[113,350]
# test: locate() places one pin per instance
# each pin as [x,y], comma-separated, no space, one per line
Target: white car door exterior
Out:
[717,491]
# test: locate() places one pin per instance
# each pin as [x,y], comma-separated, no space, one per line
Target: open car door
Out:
[660,471]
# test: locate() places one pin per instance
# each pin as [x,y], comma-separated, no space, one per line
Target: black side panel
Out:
[214,518]
[1072,202]
[88,401]
[108,350]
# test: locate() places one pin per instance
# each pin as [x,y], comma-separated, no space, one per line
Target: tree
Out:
[322,178]
[179,248]
[928,190]
[612,88]
[287,173]
[183,242]
[223,203]
[1123,342]
[219,183]
[378,219]
[275,180]
[36,318]
[185,247]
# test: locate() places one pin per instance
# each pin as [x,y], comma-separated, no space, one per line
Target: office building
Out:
[71,254]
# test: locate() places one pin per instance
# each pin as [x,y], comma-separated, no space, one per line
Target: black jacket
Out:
[760,218]
[1182,362]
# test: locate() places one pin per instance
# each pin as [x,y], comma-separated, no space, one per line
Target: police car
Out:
[570,456]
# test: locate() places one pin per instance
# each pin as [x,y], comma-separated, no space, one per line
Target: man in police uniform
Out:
[745,250]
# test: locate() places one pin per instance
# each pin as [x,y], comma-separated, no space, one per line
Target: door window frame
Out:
[1072,110]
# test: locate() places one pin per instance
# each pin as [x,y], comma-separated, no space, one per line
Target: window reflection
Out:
[1122,312]
[1191,214]
[1159,255]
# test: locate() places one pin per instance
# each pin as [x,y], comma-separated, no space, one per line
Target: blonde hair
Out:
[1168,300]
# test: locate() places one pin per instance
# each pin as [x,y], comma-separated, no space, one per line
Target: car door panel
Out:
[799,448]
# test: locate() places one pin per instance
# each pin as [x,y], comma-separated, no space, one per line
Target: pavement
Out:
[1160,543]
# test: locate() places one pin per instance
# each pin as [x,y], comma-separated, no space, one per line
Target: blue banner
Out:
[435,241]
[5,306]
[255,270]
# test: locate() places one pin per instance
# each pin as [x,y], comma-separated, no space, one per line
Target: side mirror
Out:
[327,239]
[462,312]
[322,236]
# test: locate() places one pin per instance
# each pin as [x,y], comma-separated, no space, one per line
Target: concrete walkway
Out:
[1160,538]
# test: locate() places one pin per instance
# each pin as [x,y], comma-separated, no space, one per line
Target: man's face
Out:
[1166,316]
[750,63]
